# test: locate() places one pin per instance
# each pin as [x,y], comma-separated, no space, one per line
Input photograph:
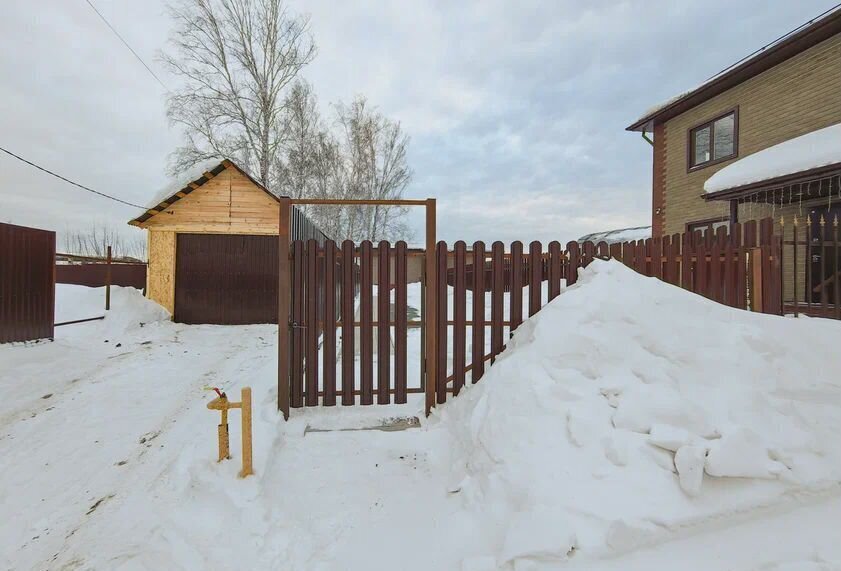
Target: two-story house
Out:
[762,138]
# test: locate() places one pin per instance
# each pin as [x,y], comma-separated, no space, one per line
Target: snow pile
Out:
[813,150]
[129,309]
[628,410]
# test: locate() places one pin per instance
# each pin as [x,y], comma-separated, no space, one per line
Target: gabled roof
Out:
[189,181]
[801,39]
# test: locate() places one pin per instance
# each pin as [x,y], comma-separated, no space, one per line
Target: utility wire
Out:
[83,187]
[125,43]
[784,36]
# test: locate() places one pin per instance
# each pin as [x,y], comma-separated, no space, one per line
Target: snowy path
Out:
[78,449]
[116,468]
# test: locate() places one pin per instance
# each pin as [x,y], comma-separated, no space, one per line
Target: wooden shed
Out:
[213,247]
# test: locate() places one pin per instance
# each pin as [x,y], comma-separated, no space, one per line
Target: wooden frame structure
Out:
[430,344]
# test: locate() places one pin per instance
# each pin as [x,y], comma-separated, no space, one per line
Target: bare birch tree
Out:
[235,59]
[94,241]
[375,155]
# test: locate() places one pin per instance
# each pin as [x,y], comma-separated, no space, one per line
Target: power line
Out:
[83,187]
[125,43]
[784,36]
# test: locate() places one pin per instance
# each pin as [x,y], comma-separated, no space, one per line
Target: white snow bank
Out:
[129,309]
[628,409]
[812,150]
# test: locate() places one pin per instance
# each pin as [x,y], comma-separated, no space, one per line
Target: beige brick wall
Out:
[797,96]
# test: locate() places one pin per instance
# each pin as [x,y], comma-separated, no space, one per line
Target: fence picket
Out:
[535,276]
[573,261]
[401,309]
[515,311]
[383,323]
[312,330]
[297,352]
[366,326]
[328,350]
[459,315]
[478,329]
[348,329]
[497,297]
[442,317]
[555,261]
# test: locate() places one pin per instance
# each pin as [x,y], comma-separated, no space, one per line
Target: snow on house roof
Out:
[619,235]
[810,151]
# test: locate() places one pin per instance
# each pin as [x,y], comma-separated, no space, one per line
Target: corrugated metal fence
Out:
[27,283]
[96,274]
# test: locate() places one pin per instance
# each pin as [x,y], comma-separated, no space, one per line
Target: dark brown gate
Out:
[27,283]
[226,279]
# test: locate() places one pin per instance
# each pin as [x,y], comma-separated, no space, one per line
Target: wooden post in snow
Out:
[108,280]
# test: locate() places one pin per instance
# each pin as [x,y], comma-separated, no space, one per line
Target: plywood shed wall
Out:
[229,203]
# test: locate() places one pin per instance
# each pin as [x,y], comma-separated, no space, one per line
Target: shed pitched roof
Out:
[786,47]
[191,180]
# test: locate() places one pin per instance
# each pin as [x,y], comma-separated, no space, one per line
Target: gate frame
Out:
[284,291]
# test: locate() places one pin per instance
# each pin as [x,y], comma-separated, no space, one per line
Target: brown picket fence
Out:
[349,347]
[739,267]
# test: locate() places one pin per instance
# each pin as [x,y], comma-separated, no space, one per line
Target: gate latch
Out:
[296,325]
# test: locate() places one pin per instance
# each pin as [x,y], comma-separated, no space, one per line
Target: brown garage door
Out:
[226,279]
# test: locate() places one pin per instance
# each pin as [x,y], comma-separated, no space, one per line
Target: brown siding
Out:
[798,96]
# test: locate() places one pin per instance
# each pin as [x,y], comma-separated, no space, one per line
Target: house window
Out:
[714,141]
[706,226]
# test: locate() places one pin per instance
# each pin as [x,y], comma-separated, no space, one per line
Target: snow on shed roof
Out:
[183,179]
[619,235]
[810,151]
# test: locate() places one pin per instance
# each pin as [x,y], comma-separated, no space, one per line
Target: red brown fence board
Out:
[94,275]
[27,283]
[329,282]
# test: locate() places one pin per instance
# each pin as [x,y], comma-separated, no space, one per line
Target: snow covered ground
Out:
[629,425]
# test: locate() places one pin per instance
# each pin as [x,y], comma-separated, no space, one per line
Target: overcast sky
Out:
[516,110]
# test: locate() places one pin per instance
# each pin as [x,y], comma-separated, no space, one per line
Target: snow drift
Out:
[628,409]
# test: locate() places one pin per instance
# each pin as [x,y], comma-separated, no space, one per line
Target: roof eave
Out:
[778,181]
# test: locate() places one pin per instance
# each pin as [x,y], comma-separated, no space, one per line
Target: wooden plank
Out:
[459,315]
[297,354]
[535,276]
[400,327]
[478,328]
[589,252]
[666,251]
[366,330]
[573,262]
[383,319]
[348,333]
[328,349]
[656,268]
[311,293]
[497,297]
[702,265]
[686,251]
[441,324]
[716,271]
[554,269]
[431,304]
[515,299]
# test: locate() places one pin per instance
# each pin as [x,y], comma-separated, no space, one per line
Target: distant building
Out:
[619,235]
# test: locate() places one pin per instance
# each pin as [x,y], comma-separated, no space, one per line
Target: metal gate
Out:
[346,314]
